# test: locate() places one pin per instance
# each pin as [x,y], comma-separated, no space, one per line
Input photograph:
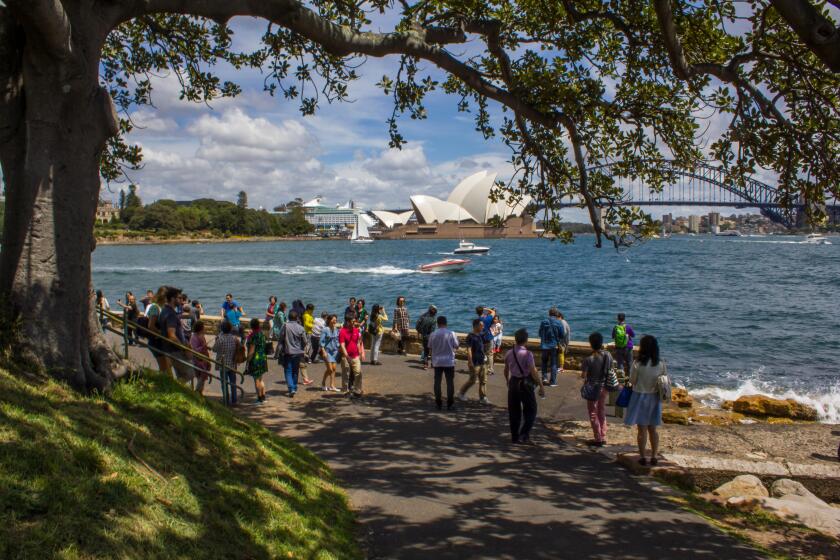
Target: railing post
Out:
[125,335]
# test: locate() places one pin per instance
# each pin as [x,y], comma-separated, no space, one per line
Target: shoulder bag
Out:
[526,380]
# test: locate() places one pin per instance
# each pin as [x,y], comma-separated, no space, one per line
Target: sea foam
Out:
[826,404]
[289,270]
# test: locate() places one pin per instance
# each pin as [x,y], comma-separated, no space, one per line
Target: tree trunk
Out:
[51,171]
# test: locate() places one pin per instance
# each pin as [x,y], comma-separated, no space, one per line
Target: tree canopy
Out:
[580,83]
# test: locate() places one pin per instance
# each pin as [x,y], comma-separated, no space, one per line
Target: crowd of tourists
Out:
[296,337]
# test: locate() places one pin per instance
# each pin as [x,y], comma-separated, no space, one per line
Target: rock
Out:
[745,485]
[759,405]
[712,417]
[727,405]
[818,516]
[787,487]
[676,416]
[775,420]
[680,397]
[742,503]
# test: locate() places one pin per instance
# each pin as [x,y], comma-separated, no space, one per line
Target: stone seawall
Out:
[574,353]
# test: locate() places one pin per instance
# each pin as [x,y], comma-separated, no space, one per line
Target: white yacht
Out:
[816,239]
[465,247]
[360,233]
[729,233]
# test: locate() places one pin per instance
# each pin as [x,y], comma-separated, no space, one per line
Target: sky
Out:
[263,146]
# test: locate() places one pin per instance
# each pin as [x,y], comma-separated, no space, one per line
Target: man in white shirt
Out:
[442,345]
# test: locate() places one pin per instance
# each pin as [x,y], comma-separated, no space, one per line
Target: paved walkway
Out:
[428,484]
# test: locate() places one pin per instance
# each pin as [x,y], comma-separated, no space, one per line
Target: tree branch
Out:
[815,30]
[47,20]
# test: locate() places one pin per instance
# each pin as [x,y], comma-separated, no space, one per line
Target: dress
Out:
[645,407]
[258,364]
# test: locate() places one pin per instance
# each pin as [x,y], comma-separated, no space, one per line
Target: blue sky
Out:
[262,144]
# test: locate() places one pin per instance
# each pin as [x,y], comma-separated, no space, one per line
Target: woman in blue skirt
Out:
[645,408]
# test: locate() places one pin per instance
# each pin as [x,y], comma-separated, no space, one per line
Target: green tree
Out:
[121,203]
[131,204]
[581,83]
[242,200]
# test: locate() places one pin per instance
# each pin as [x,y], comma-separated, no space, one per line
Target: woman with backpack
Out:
[594,369]
[645,408]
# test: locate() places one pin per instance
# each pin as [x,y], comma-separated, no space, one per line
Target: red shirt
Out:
[349,337]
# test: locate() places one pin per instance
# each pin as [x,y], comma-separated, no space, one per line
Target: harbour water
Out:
[733,315]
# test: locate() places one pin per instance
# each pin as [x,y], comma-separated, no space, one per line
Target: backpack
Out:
[621,336]
[663,387]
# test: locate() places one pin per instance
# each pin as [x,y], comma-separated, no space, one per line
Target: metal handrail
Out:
[124,333]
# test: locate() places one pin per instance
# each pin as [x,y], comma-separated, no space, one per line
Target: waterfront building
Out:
[694,224]
[106,211]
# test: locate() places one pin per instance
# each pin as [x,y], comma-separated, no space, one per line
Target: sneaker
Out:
[324,388]
[484,400]
[335,389]
[545,381]
[291,395]
[462,397]
[553,385]
[654,461]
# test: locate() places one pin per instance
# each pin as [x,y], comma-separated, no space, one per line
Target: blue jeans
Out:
[228,378]
[549,358]
[292,370]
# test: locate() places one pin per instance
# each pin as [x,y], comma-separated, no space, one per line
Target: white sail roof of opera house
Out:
[391,219]
[469,200]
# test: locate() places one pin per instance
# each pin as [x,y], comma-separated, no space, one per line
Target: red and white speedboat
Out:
[446,265]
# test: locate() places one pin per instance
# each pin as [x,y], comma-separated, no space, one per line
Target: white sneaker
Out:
[484,400]
[462,397]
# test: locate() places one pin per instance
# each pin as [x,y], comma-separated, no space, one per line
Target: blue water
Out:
[731,315]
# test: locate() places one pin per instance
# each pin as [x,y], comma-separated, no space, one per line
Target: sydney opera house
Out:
[468,202]
[467,206]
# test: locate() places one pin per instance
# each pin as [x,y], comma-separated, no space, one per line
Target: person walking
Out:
[292,348]
[376,328]
[564,344]
[622,335]
[226,347]
[198,343]
[521,377]
[442,345]
[400,328]
[425,327]
[308,320]
[330,351]
[645,408]
[594,370]
[172,330]
[256,358]
[352,355]
[551,333]
[476,363]
[318,325]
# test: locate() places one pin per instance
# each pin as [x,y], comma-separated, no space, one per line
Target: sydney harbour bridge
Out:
[708,186]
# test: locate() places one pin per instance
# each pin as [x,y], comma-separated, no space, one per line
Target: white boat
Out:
[729,233]
[360,232]
[446,265]
[816,239]
[467,247]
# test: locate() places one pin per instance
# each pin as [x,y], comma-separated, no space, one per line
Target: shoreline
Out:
[150,240]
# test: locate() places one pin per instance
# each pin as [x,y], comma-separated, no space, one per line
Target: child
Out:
[496,329]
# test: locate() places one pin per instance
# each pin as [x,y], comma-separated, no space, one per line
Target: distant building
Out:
[694,224]
[106,212]
[714,219]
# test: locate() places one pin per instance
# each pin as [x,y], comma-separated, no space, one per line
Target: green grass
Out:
[216,486]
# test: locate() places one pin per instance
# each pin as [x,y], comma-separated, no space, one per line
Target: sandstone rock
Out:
[745,485]
[681,398]
[774,420]
[727,405]
[676,416]
[759,405]
[741,503]
[787,487]
[818,516]
[712,417]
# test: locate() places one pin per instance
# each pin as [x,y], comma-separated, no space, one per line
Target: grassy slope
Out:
[70,487]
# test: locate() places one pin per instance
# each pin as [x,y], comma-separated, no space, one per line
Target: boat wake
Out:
[826,404]
[297,270]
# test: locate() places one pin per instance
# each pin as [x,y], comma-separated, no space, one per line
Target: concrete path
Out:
[428,484]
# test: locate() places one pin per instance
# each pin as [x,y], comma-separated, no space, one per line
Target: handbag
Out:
[395,334]
[624,397]
[611,380]
[240,354]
